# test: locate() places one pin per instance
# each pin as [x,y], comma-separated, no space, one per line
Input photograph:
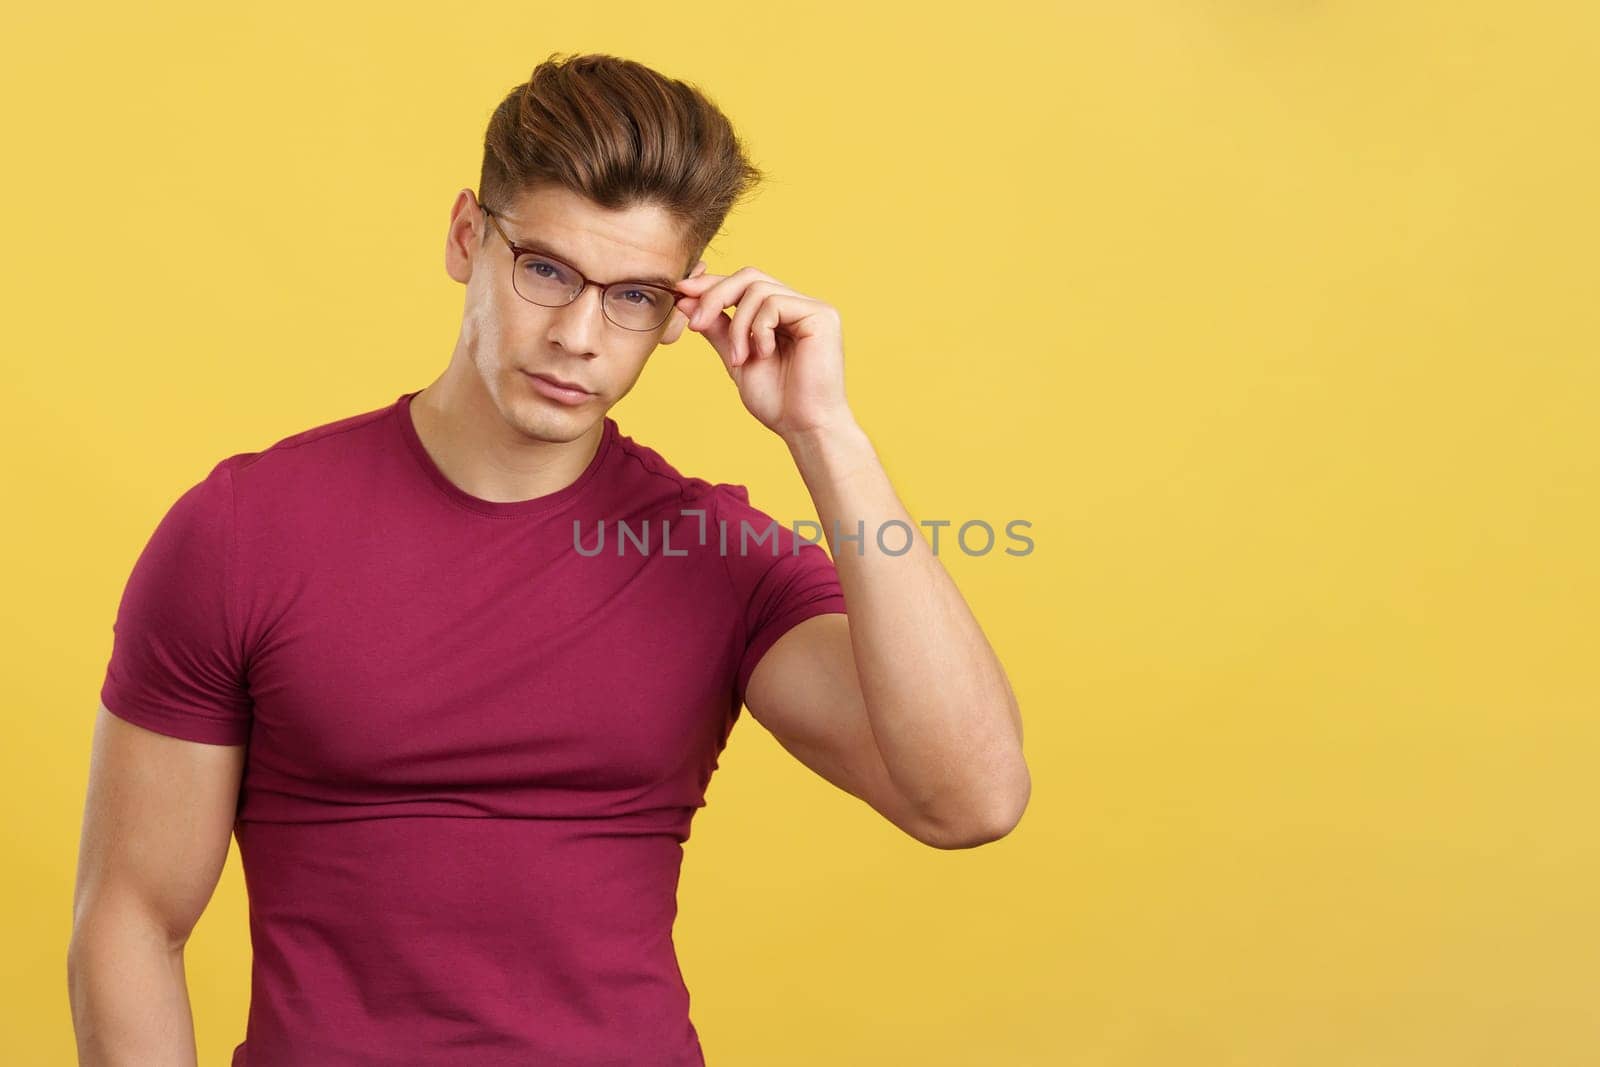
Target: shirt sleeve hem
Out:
[170,721]
[833,603]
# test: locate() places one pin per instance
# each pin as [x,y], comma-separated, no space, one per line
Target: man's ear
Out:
[464,238]
[677,322]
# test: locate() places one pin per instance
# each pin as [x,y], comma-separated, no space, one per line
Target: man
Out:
[456,671]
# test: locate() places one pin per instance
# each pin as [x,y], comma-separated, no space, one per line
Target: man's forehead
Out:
[640,244]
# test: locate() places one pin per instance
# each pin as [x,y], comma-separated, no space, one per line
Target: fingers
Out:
[764,329]
[757,299]
[753,299]
[713,292]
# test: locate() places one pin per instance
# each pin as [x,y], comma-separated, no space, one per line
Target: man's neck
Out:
[482,455]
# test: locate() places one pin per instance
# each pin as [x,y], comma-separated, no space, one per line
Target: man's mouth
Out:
[559,388]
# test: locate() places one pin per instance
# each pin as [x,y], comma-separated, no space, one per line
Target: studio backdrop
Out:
[1274,323]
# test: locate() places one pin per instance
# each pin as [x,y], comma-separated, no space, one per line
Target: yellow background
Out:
[1277,321]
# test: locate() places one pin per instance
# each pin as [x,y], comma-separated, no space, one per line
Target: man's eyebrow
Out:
[539,246]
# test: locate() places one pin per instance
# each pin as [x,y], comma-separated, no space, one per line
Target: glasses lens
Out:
[544,281]
[638,307]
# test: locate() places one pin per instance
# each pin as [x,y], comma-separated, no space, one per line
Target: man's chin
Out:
[544,420]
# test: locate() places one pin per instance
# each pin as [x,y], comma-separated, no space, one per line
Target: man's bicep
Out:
[806,693]
[158,818]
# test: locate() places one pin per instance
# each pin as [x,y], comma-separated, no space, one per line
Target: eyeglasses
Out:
[542,279]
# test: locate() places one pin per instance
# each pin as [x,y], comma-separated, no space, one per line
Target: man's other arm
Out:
[157,821]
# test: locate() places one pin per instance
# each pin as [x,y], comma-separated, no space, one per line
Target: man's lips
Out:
[553,380]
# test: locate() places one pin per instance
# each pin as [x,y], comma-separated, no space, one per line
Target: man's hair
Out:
[621,134]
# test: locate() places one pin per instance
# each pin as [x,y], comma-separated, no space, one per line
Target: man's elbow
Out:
[981,825]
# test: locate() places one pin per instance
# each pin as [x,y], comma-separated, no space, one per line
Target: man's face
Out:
[509,340]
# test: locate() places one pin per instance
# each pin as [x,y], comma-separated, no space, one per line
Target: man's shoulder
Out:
[302,459]
[310,445]
[728,500]
[325,434]
[654,475]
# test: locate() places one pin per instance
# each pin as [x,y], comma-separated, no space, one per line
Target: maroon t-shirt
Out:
[475,740]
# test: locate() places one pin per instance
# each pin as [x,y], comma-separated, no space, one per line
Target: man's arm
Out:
[903,703]
[804,692]
[157,821]
[916,676]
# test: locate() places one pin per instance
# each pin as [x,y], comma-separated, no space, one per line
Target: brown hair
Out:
[621,134]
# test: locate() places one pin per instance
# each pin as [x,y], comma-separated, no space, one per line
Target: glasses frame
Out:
[517,252]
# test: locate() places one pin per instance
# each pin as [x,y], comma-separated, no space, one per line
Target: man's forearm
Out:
[130,999]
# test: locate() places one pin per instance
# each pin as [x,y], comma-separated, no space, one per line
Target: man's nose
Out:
[578,322]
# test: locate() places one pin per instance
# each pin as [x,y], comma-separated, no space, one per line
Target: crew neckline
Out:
[498,508]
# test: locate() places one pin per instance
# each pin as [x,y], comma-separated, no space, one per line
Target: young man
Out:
[456,671]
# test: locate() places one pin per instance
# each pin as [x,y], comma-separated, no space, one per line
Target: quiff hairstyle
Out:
[620,134]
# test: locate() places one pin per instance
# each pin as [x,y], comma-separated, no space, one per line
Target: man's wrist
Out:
[836,447]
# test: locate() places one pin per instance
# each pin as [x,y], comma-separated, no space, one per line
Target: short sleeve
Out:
[779,579]
[176,660]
